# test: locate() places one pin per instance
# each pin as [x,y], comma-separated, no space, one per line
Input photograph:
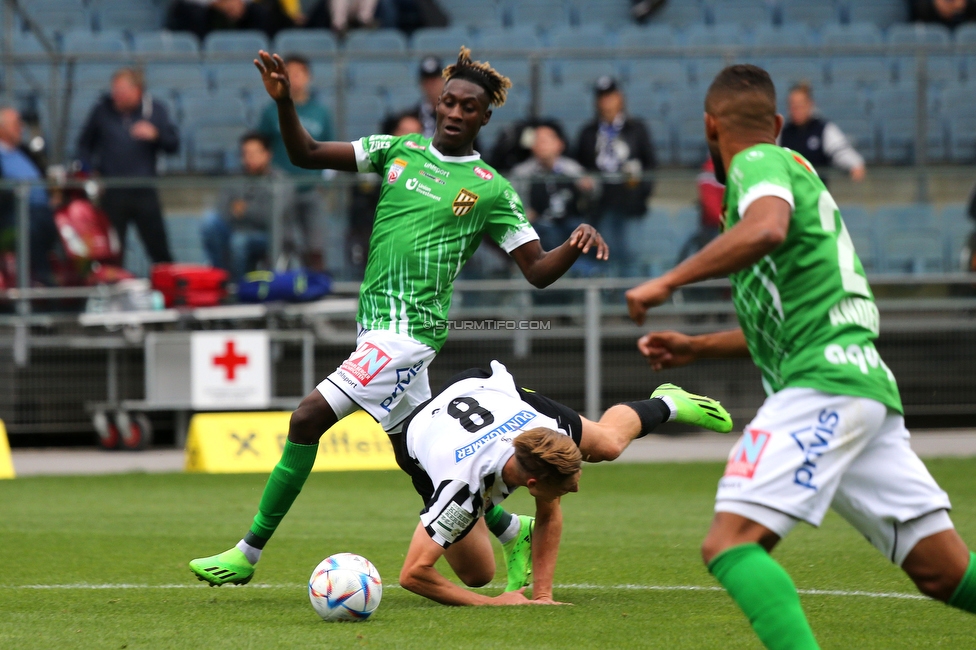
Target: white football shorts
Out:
[386,376]
[806,451]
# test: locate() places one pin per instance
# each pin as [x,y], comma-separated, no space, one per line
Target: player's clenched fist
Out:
[666,349]
[274,75]
[585,237]
[644,296]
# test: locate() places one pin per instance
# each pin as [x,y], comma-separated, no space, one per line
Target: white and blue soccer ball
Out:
[345,587]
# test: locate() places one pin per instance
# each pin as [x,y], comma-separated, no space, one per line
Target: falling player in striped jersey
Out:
[437,200]
[480,438]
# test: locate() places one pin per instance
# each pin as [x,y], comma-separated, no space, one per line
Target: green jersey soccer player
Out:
[437,200]
[831,431]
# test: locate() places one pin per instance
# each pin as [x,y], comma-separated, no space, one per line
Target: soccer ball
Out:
[345,587]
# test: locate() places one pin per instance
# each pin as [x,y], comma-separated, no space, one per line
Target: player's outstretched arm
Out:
[541,268]
[763,228]
[303,150]
[419,576]
[545,548]
[665,350]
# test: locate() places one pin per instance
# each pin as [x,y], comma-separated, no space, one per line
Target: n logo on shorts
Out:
[746,455]
[366,362]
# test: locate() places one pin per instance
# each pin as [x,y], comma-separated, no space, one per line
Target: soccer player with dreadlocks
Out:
[438,198]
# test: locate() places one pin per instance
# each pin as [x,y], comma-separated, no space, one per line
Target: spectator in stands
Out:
[642,10]
[124,134]
[317,120]
[619,146]
[366,194]
[950,13]
[236,236]
[711,194]
[555,189]
[817,139]
[204,16]
[19,163]
[431,85]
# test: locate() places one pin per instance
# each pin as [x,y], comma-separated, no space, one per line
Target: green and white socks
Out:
[503,525]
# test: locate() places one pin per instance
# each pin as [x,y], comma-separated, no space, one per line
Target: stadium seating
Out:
[853,34]
[441,41]
[654,35]
[746,13]
[659,244]
[794,34]
[915,251]
[384,40]
[585,37]
[658,73]
[165,42]
[723,34]
[307,42]
[246,42]
[521,37]
[611,14]
[882,13]
[130,16]
[814,14]
[547,13]
[84,41]
[918,34]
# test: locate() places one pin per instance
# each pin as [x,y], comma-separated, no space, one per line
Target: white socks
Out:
[511,531]
[252,554]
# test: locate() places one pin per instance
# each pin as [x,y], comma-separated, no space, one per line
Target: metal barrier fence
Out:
[571,342]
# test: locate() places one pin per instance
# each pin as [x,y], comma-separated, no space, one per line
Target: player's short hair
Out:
[256,136]
[547,455]
[299,59]
[744,95]
[494,83]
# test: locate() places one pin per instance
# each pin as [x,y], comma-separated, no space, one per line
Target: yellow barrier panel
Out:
[220,443]
[6,462]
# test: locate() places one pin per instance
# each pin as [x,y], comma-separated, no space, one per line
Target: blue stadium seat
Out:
[545,13]
[957,100]
[588,12]
[381,40]
[83,41]
[788,71]
[860,132]
[563,103]
[661,138]
[915,251]
[56,17]
[659,245]
[856,217]
[853,34]
[197,107]
[464,12]
[812,13]
[898,139]
[648,101]
[183,231]
[681,14]
[690,135]
[587,36]
[363,115]
[966,34]
[669,73]
[307,42]
[129,16]
[793,34]
[238,76]
[882,13]
[683,221]
[517,69]
[955,223]
[214,147]
[520,37]
[446,40]
[245,42]
[373,76]
[894,101]
[704,35]
[704,69]
[941,70]
[178,77]
[867,248]
[685,104]
[962,138]
[862,71]
[94,75]
[742,12]
[653,35]
[910,216]
[581,74]
[165,42]
[918,34]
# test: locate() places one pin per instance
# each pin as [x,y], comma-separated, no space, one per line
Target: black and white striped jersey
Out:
[462,439]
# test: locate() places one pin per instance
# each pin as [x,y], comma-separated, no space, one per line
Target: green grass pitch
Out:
[629,563]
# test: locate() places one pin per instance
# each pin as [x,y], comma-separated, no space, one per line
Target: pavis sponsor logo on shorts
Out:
[395,170]
[813,441]
[483,174]
[403,378]
[464,202]
[747,453]
[366,362]
[514,423]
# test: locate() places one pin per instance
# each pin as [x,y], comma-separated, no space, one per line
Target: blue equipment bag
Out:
[288,286]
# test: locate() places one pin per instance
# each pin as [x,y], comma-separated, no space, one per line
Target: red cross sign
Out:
[230,360]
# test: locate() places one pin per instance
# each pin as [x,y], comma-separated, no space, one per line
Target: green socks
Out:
[767,596]
[284,484]
[500,523]
[964,597]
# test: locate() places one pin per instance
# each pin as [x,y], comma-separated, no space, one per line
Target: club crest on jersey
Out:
[746,455]
[464,202]
[410,144]
[395,170]
[803,163]
[483,174]
[365,363]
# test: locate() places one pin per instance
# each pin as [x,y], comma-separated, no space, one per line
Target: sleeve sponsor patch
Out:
[452,522]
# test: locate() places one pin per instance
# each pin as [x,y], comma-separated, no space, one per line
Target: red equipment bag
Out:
[190,285]
[87,234]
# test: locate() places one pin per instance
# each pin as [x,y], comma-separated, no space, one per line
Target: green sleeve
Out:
[755,173]
[372,152]
[506,223]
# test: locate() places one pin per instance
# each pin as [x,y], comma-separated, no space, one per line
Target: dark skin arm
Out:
[762,229]
[541,268]
[303,150]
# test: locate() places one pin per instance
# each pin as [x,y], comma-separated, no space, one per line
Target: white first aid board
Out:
[230,369]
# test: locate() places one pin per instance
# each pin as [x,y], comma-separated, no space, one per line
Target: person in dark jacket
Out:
[619,146]
[122,137]
[817,139]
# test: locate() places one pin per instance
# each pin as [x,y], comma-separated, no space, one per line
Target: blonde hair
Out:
[547,455]
[495,84]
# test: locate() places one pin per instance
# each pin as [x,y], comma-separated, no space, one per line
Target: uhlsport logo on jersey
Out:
[464,202]
[483,174]
[395,170]
[747,453]
[366,362]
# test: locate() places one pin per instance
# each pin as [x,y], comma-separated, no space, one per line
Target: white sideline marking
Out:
[591,587]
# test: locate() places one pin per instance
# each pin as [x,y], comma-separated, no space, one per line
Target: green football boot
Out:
[230,567]
[518,555]
[695,409]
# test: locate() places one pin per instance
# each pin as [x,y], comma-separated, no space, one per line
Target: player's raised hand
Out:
[274,75]
[585,237]
[644,296]
[666,349]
